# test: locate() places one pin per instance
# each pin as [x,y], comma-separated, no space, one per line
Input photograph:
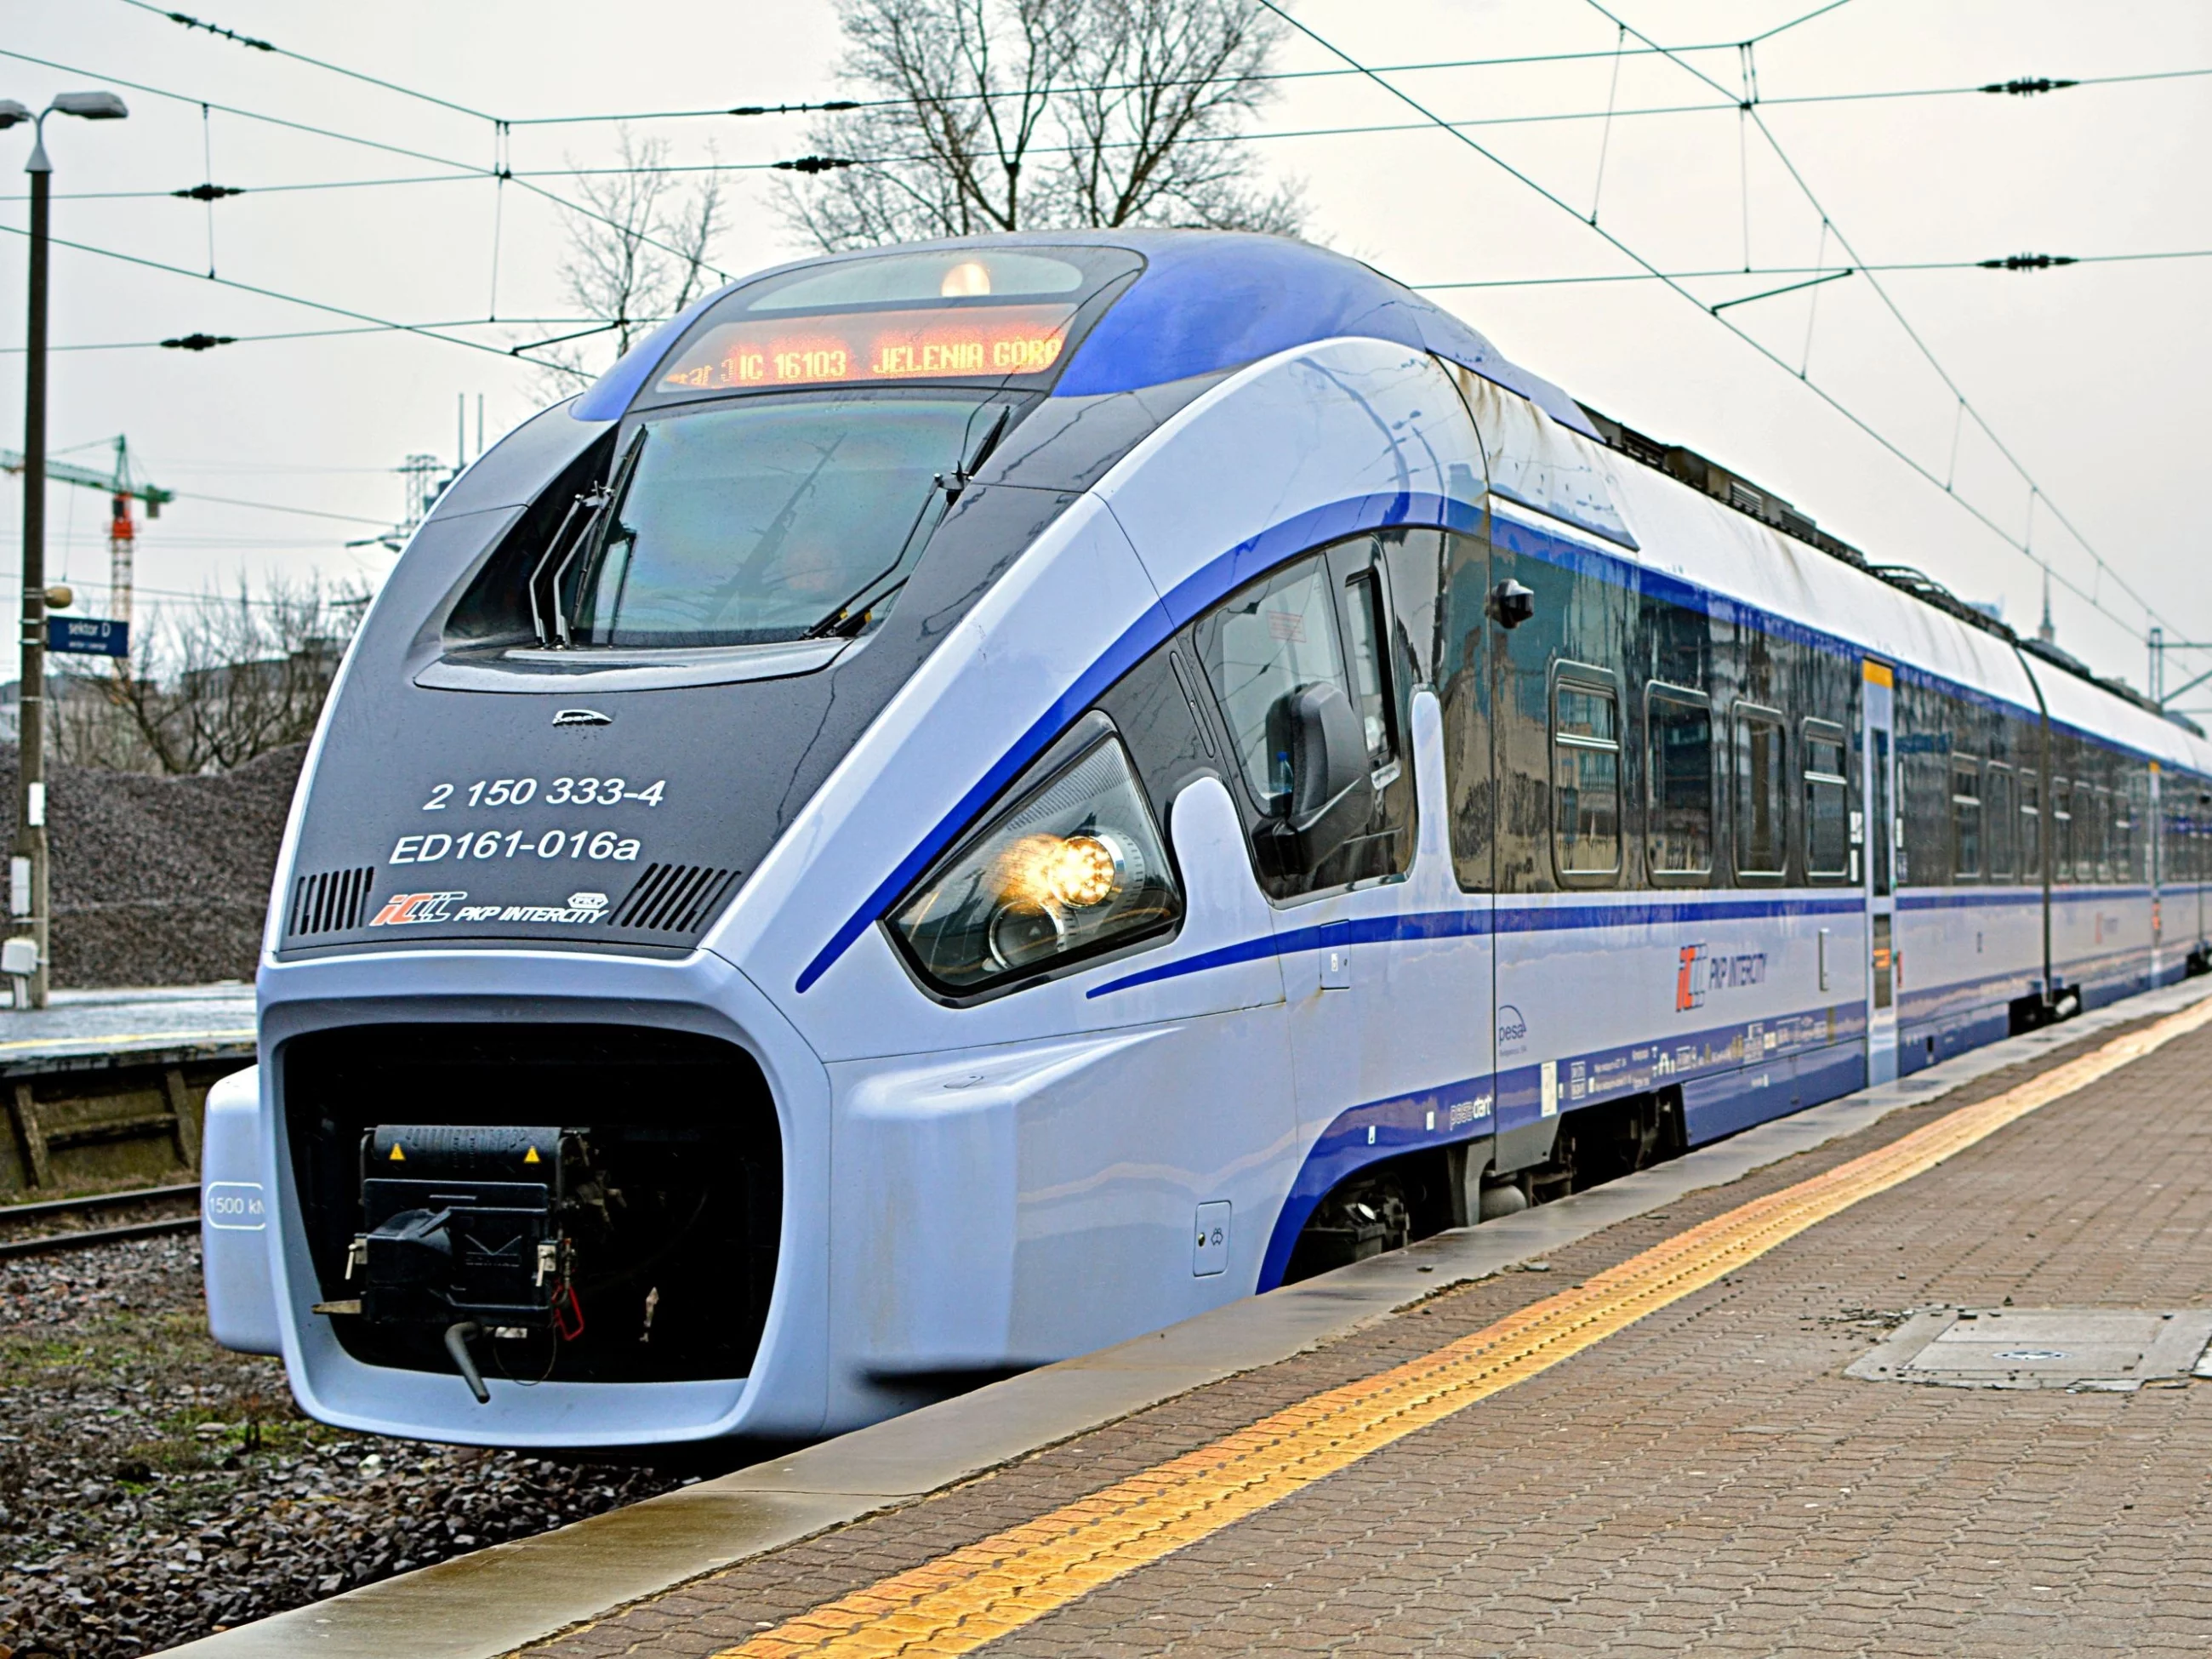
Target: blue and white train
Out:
[970,801]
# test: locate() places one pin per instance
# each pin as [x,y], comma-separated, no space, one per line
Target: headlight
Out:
[1070,865]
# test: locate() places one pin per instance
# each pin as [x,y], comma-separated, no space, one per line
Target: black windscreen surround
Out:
[606,793]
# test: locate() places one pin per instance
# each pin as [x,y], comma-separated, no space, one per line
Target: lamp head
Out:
[11,112]
[91,105]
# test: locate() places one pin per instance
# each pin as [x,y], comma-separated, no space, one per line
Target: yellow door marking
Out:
[133,1037]
[973,1595]
[1878,673]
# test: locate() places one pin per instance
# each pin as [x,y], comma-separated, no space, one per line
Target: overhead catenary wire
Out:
[2019,87]
[1781,28]
[502,172]
[275,507]
[211,340]
[838,104]
[274,50]
[1849,414]
[1803,270]
[271,293]
[204,596]
[2103,567]
[554,197]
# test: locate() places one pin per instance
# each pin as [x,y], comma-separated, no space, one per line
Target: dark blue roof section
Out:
[1207,300]
[1210,300]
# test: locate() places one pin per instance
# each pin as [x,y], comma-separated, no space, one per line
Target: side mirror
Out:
[1317,732]
[1511,604]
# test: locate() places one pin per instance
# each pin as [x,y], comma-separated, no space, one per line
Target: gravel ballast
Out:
[156,880]
[155,1487]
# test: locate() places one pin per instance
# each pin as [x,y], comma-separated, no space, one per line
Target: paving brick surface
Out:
[1708,1481]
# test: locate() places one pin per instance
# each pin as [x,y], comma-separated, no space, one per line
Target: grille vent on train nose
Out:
[331,903]
[673,898]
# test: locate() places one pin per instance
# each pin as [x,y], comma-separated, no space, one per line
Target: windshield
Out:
[758,522]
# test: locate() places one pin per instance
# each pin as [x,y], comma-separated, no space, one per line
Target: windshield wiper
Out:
[592,504]
[958,480]
[846,620]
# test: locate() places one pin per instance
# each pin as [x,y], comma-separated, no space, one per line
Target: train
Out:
[969,801]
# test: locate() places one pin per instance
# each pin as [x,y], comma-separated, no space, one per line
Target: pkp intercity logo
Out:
[1688,992]
[1699,972]
[402,909]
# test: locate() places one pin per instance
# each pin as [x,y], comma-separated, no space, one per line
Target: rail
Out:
[12,1215]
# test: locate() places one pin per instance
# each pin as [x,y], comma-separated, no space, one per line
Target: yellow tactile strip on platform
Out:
[244,1033]
[975,1594]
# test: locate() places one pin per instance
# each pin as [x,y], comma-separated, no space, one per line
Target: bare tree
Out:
[995,115]
[639,255]
[1156,101]
[214,683]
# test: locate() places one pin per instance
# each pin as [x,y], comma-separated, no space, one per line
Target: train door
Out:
[1883,829]
[2149,828]
[1384,986]
[1387,984]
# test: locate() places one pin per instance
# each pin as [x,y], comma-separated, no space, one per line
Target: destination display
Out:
[935,343]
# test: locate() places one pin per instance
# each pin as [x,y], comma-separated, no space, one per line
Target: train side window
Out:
[1999,822]
[1828,791]
[1585,776]
[2102,837]
[1679,749]
[1762,840]
[2062,830]
[1277,638]
[1363,613]
[1966,819]
[2031,826]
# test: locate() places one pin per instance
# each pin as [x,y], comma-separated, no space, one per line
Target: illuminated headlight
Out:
[1070,865]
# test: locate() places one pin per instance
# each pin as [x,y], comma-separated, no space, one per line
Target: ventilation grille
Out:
[331,903]
[673,898]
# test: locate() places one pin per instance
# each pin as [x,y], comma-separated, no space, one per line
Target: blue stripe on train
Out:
[1419,925]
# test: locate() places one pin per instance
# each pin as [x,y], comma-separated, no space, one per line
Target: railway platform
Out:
[122,1021]
[102,1088]
[1913,1372]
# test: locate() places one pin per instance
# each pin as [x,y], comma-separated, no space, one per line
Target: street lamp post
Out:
[27,867]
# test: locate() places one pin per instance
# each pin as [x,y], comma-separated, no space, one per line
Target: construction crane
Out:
[122,532]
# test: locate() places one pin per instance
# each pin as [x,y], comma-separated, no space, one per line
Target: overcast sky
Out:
[2092,377]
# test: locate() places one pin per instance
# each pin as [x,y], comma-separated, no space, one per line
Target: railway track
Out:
[13,1215]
